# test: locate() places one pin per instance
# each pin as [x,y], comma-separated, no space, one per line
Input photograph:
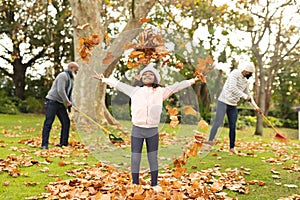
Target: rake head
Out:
[281,137]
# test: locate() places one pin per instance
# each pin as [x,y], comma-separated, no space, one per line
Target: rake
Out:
[112,137]
[258,110]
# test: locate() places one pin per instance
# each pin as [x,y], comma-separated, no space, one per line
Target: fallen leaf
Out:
[45,169]
[276,177]
[290,185]
[6,183]
[30,183]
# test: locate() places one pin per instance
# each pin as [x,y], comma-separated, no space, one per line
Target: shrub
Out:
[290,123]
[274,121]
[120,112]
[34,105]
[7,106]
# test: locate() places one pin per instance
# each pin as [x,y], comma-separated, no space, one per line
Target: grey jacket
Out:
[61,89]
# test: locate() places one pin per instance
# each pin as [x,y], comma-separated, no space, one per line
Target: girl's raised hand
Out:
[200,77]
[98,76]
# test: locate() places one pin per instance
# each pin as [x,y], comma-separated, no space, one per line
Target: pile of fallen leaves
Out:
[106,182]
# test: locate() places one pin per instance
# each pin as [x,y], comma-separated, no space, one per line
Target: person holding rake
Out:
[235,88]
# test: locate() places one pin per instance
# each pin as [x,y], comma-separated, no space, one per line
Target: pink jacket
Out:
[147,102]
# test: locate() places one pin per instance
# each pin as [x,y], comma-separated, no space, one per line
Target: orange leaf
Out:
[62,163]
[200,76]
[178,162]
[161,51]
[143,20]
[165,62]
[189,110]
[85,46]
[179,171]
[209,60]
[172,111]
[203,124]
[193,151]
[136,54]
[174,122]
[29,183]
[58,179]
[204,66]
[107,39]
[179,65]
[132,65]
[201,65]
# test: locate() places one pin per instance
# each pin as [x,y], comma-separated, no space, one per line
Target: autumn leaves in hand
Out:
[199,77]
[98,76]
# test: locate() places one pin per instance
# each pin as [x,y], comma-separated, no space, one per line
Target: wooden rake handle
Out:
[258,110]
[89,118]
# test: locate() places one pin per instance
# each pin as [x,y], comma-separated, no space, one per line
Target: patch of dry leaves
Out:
[103,181]
[106,182]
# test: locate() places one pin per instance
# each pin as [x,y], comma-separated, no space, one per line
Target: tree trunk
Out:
[19,79]
[261,100]
[203,96]
[89,93]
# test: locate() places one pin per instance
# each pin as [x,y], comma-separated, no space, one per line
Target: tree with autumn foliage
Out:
[104,60]
[96,17]
[33,33]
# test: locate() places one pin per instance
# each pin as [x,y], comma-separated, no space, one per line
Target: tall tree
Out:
[32,32]
[97,18]
[274,32]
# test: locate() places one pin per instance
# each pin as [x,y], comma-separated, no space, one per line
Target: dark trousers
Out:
[54,108]
[150,135]
[232,115]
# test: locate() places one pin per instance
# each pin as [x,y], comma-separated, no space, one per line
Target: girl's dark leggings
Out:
[150,135]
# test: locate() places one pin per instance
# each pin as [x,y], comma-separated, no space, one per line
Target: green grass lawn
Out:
[260,156]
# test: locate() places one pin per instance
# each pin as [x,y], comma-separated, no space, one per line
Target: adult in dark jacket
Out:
[58,99]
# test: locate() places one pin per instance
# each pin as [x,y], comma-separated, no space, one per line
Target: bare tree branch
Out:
[5,72]
[4,58]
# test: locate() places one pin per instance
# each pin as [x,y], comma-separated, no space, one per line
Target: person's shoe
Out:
[157,188]
[61,145]
[44,147]
[232,150]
